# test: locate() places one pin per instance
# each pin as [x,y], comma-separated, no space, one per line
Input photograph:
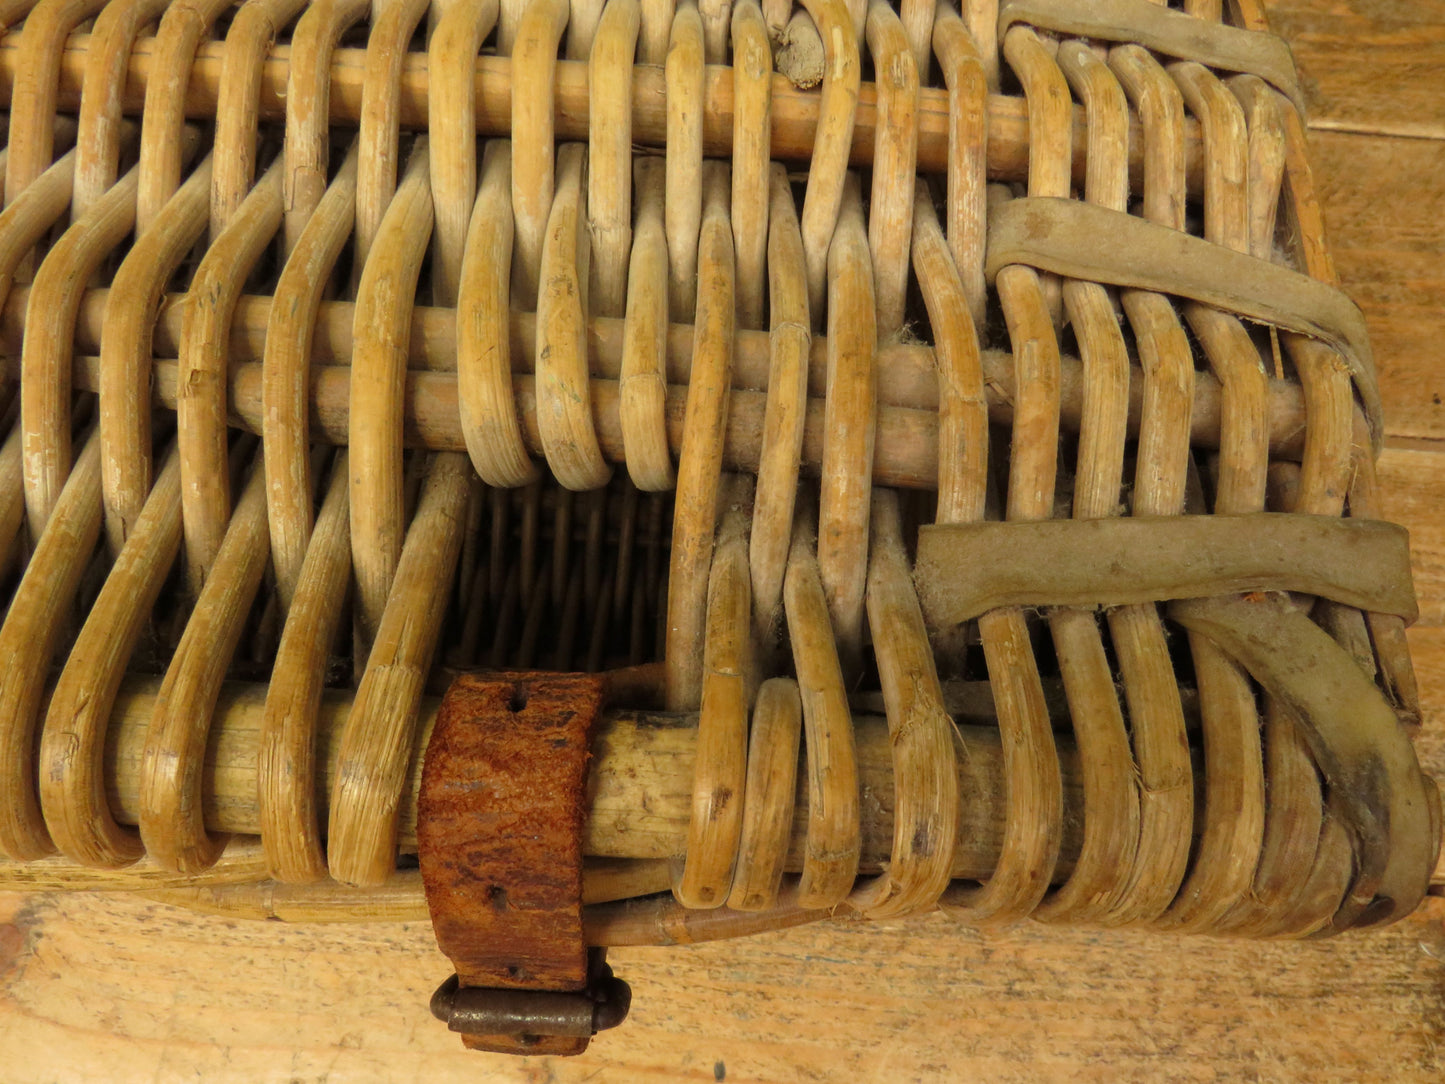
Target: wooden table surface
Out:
[113,988]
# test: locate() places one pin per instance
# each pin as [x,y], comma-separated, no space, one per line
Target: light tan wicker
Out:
[996,526]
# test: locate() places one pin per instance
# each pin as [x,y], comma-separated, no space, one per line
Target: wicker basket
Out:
[997,527]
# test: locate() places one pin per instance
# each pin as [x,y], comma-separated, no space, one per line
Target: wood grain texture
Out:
[1367,65]
[123,989]
[1384,204]
[1412,485]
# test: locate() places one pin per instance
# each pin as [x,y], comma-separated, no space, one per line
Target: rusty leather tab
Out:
[499,830]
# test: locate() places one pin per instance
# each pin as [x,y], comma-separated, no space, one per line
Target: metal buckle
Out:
[532,1015]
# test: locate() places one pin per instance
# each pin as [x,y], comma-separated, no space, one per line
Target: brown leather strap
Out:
[499,831]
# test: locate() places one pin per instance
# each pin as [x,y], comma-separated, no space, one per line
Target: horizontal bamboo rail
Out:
[906,452]
[794,112]
[640,789]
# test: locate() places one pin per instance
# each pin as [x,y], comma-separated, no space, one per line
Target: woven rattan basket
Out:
[940,429]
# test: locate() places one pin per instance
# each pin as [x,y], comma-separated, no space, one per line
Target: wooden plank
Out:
[1367,65]
[115,987]
[122,989]
[101,1001]
[1412,485]
[1384,205]
[1427,648]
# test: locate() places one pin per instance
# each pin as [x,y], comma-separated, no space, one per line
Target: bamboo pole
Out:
[794,111]
[907,381]
[905,452]
[640,787]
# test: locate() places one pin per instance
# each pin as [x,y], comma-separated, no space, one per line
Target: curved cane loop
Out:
[534,63]
[925,773]
[1301,878]
[654,30]
[1033,788]
[1264,117]
[564,402]
[67,270]
[29,637]
[963,433]
[967,211]
[752,142]
[171,807]
[238,102]
[30,149]
[850,421]
[700,461]
[1111,797]
[484,348]
[31,216]
[286,758]
[918,17]
[720,774]
[72,745]
[509,21]
[830,854]
[306,150]
[609,155]
[1156,714]
[1051,125]
[378,386]
[828,168]
[12,501]
[22,225]
[452,127]
[376,746]
[643,385]
[770,796]
[686,90]
[895,154]
[1228,852]
[203,370]
[45,358]
[780,453]
[182,29]
[962,401]
[125,350]
[1392,812]
[286,375]
[99,130]
[394,22]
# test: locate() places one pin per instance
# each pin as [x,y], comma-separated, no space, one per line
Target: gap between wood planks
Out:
[1337,127]
[1415,444]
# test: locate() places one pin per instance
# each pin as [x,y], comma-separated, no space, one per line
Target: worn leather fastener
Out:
[499,834]
[528,1015]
